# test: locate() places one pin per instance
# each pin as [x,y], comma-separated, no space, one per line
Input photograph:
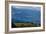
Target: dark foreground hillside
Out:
[24,24]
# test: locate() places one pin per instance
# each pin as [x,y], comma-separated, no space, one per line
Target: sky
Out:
[26,13]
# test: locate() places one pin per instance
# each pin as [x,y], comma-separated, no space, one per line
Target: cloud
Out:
[27,7]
